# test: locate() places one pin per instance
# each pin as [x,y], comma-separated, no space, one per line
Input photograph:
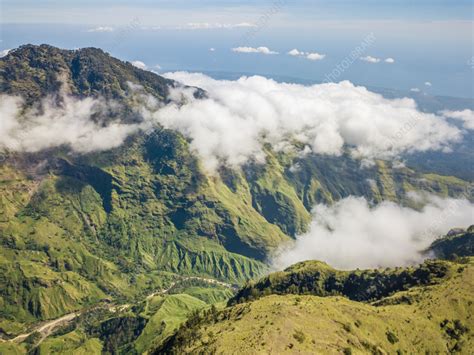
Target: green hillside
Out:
[318,278]
[434,318]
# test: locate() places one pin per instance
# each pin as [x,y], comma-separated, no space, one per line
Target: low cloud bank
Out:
[69,124]
[352,234]
[230,126]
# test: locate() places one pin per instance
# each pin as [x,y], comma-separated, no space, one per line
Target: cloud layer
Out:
[231,125]
[70,124]
[352,234]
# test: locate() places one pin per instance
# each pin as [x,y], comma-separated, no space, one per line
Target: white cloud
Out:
[427,83]
[295,53]
[415,90]
[351,234]
[101,29]
[212,49]
[370,59]
[390,60]
[308,55]
[466,116]
[53,126]
[261,50]
[231,125]
[157,66]
[4,52]
[139,64]
[315,56]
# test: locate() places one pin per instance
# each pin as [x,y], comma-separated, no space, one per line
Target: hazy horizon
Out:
[308,40]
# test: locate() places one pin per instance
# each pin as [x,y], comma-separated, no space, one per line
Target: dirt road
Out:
[47,328]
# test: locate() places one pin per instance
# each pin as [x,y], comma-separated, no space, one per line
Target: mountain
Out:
[313,308]
[36,71]
[99,236]
[317,278]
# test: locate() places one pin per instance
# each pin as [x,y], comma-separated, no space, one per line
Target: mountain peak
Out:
[35,71]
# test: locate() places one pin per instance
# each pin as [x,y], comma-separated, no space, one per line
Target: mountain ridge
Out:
[311,307]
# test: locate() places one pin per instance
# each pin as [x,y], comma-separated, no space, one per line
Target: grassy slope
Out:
[56,231]
[163,315]
[321,179]
[76,343]
[119,332]
[171,312]
[435,318]
[120,219]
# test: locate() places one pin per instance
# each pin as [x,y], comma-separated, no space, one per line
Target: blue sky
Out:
[430,41]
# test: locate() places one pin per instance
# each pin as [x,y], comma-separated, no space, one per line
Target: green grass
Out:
[12,349]
[75,343]
[172,311]
[432,319]
[209,295]
[60,238]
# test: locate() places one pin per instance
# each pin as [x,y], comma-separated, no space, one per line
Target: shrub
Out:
[391,337]
[299,336]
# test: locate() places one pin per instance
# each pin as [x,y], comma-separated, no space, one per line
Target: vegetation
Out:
[93,231]
[456,243]
[36,71]
[432,318]
[318,278]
